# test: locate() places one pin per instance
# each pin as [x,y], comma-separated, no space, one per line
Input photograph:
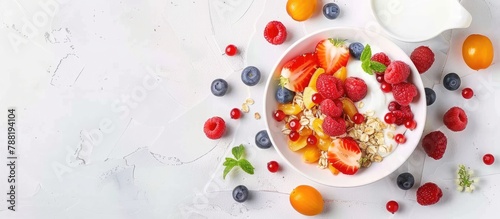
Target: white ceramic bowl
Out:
[365,175]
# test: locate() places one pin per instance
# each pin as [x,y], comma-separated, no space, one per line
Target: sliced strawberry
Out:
[296,73]
[332,54]
[344,154]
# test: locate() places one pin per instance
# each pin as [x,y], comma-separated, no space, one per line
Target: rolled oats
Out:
[245,108]
[323,160]
[257,116]
[249,101]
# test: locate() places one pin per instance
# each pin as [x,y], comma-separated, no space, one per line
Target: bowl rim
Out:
[419,129]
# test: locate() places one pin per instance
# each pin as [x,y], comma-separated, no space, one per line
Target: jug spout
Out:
[460,17]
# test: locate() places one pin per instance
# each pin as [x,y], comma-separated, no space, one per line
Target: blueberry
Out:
[250,75]
[405,181]
[430,96]
[355,49]
[262,140]
[240,193]
[451,81]
[219,87]
[284,95]
[331,11]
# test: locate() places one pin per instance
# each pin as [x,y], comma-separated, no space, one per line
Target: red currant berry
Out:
[385,87]
[392,206]
[393,105]
[279,115]
[358,118]
[273,166]
[312,140]
[235,113]
[380,78]
[467,93]
[317,98]
[411,124]
[400,138]
[294,136]
[389,118]
[294,124]
[488,159]
[231,50]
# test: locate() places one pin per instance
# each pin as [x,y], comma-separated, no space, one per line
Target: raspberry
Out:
[334,126]
[396,72]
[355,88]
[455,119]
[434,144]
[275,32]
[422,57]
[214,127]
[429,194]
[329,86]
[404,93]
[402,115]
[382,58]
[331,108]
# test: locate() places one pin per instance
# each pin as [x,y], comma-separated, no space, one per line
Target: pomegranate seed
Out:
[380,78]
[358,118]
[386,87]
[389,118]
[279,115]
[312,140]
[273,166]
[488,159]
[294,136]
[467,93]
[294,124]
[235,113]
[392,206]
[411,124]
[317,98]
[231,50]
[400,138]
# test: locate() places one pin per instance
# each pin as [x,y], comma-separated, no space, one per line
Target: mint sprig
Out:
[238,160]
[367,64]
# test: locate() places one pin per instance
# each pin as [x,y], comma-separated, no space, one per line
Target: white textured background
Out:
[112,95]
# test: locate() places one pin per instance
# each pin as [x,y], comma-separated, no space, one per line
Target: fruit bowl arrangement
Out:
[339,115]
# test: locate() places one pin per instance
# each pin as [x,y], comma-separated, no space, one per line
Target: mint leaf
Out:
[226,171]
[230,162]
[366,54]
[377,66]
[366,67]
[238,151]
[246,166]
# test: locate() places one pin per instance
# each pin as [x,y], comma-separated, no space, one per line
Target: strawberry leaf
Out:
[377,66]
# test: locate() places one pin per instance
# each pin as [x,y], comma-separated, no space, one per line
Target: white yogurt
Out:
[375,100]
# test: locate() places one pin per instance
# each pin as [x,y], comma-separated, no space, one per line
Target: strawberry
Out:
[332,54]
[344,154]
[297,72]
